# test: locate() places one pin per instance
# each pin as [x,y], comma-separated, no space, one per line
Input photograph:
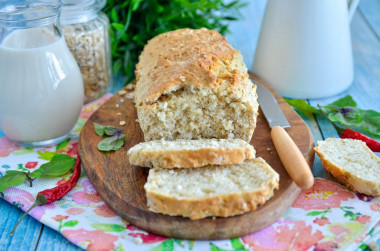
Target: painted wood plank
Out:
[371,12]
[27,233]
[244,33]
[51,238]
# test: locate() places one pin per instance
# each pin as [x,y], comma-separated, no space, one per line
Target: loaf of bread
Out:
[184,153]
[352,163]
[191,84]
[212,190]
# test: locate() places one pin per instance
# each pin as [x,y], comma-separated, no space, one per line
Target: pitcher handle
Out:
[352,5]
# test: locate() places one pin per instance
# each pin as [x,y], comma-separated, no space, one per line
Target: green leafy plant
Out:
[59,165]
[134,22]
[344,112]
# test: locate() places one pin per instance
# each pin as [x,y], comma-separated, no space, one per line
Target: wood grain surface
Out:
[122,186]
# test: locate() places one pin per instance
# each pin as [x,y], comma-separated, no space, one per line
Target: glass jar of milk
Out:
[41,87]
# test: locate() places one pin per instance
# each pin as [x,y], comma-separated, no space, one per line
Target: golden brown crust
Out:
[348,179]
[186,57]
[191,158]
[223,205]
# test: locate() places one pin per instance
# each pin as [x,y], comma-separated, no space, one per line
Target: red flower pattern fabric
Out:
[325,217]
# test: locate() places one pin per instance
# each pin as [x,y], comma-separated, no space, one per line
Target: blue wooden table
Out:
[365,33]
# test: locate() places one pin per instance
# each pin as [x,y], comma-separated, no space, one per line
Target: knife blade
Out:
[270,108]
[290,155]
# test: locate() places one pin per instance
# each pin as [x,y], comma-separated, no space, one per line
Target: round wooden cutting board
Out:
[122,186]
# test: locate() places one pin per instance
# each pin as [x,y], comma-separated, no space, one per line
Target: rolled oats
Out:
[89,44]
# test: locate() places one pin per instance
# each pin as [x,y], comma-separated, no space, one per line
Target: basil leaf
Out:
[346,116]
[112,143]
[344,102]
[111,130]
[58,166]
[371,121]
[106,130]
[99,129]
[12,178]
[301,104]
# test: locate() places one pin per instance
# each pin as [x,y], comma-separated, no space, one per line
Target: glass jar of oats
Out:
[85,29]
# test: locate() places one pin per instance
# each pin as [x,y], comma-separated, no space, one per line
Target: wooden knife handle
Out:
[292,158]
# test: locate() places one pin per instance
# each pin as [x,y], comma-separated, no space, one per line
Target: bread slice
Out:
[212,190]
[190,153]
[352,163]
[191,84]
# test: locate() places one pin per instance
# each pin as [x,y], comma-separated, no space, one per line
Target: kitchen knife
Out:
[291,157]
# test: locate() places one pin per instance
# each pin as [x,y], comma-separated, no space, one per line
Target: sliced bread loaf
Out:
[190,153]
[352,163]
[191,84]
[212,190]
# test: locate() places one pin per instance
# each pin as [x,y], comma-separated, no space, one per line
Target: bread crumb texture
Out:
[192,84]
[190,153]
[352,163]
[212,190]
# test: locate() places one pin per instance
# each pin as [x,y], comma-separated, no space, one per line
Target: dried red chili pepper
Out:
[53,194]
[351,134]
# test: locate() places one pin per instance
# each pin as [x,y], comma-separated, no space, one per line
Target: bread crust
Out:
[186,57]
[349,179]
[184,61]
[224,205]
[190,158]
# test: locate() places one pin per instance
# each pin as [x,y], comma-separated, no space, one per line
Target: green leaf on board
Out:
[59,165]
[70,223]
[12,178]
[112,143]
[108,227]
[106,130]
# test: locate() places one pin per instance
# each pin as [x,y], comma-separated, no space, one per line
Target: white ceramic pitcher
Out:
[304,48]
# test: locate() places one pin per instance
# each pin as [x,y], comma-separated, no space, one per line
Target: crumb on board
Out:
[119,113]
[122,92]
[117,105]
[130,95]
[121,100]
[268,149]
[130,87]
[122,123]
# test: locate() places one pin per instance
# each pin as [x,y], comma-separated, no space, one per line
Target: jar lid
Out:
[80,11]
[28,13]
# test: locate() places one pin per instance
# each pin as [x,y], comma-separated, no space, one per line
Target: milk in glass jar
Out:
[41,87]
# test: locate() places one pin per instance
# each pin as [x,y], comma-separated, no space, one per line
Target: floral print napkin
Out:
[325,217]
